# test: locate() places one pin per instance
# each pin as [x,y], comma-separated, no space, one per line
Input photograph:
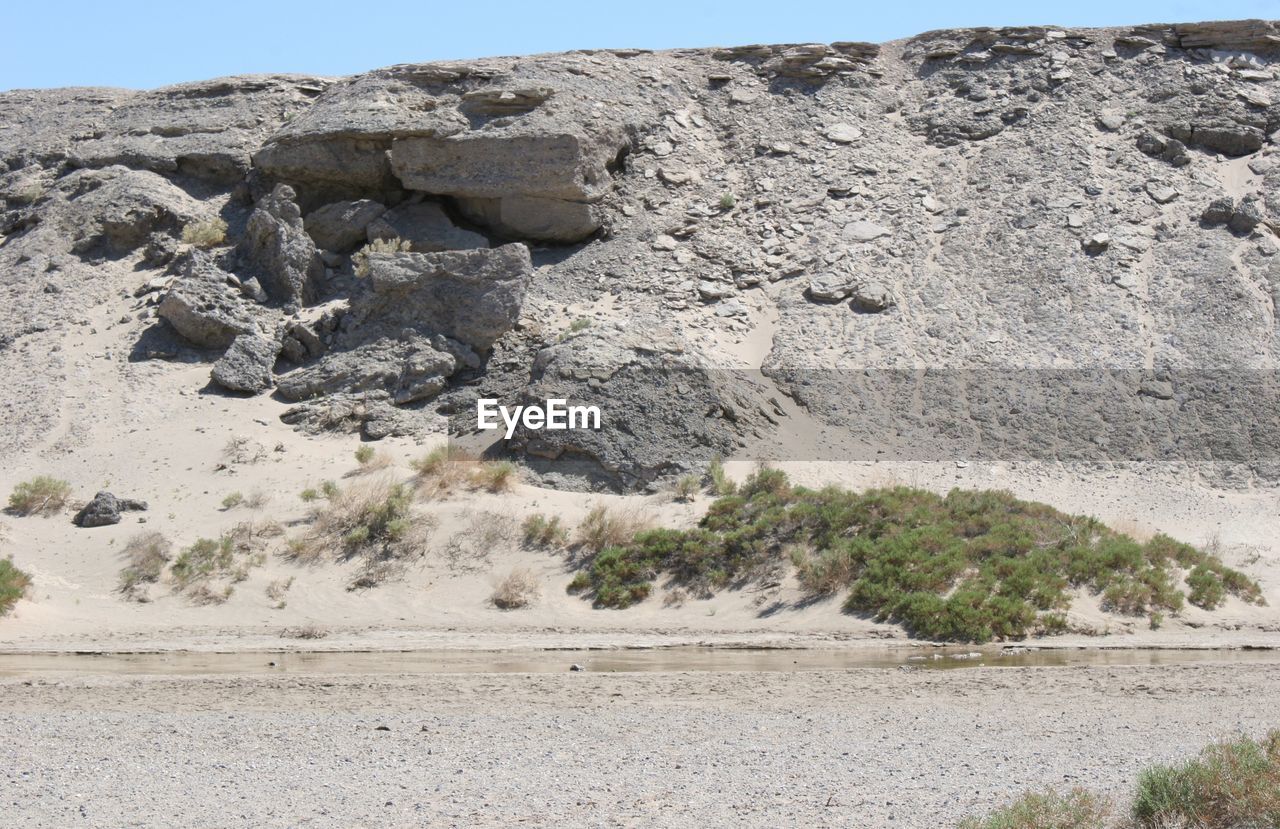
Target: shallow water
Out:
[602,661]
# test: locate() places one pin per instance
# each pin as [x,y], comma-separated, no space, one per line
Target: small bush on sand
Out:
[721,485]
[233,500]
[686,487]
[205,594]
[364,454]
[540,531]
[205,233]
[518,589]
[145,556]
[604,527]
[13,585]
[442,470]
[304,632]
[310,494]
[494,476]
[1233,784]
[276,591]
[370,520]
[205,558]
[1078,809]
[42,495]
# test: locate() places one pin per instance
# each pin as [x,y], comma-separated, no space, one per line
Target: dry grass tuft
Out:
[520,588]
[605,527]
[304,632]
[276,591]
[145,556]
[1078,809]
[205,233]
[540,531]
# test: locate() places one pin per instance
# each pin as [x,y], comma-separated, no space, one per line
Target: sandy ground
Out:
[867,747]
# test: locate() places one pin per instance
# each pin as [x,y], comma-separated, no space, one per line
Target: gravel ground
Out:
[867,747]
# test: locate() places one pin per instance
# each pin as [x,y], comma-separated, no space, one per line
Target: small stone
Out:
[738,95]
[864,231]
[1219,211]
[1096,244]
[843,133]
[931,204]
[665,242]
[1111,121]
[1160,193]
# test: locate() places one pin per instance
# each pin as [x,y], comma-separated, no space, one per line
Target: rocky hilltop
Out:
[1028,241]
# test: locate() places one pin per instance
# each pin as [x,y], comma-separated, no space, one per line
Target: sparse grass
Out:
[518,589]
[721,485]
[360,259]
[970,566]
[1078,809]
[1233,784]
[230,556]
[364,454]
[728,201]
[576,327]
[310,494]
[686,487]
[42,495]
[145,556]
[472,548]
[304,632]
[257,499]
[205,233]
[371,520]
[494,476]
[232,500]
[603,528]
[243,449]
[442,470]
[277,590]
[540,531]
[204,594]
[13,585]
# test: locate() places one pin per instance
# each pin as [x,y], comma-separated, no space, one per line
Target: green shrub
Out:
[1078,809]
[721,485]
[686,487]
[42,495]
[727,201]
[233,500]
[494,476]
[310,494]
[968,566]
[603,528]
[1233,784]
[205,233]
[145,556]
[364,454]
[372,520]
[13,585]
[205,558]
[540,531]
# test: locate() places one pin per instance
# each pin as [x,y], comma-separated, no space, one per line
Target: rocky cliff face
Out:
[795,237]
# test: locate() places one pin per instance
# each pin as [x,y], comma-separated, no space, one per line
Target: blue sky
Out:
[145,44]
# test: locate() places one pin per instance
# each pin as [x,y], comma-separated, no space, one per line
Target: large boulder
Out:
[426,228]
[340,226]
[277,250]
[105,510]
[247,364]
[473,296]
[203,307]
[408,367]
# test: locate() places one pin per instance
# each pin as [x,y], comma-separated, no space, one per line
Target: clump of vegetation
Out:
[576,327]
[360,259]
[13,585]
[145,556]
[1233,783]
[277,590]
[604,528]
[364,454]
[372,521]
[243,449]
[205,233]
[686,487]
[727,201]
[518,589]
[969,566]
[1078,809]
[233,500]
[471,549]
[494,476]
[304,632]
[721,485]
[442,470]
[42,495]
[205,558]
[310,494]
[540,531]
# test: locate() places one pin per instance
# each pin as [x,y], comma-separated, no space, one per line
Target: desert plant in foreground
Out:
[1233,784]
[13,585]
[721,485]
[1078,809]
[205,233]
[145,556]
[518,589]
[442,469]
[233,500]
[371,519]
[42,495]
[204,558]
[364,454]
[968,566]
[686,487]
[538,530]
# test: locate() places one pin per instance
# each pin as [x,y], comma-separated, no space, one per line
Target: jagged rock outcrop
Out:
[247,365]
[342,225]
[277,250]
